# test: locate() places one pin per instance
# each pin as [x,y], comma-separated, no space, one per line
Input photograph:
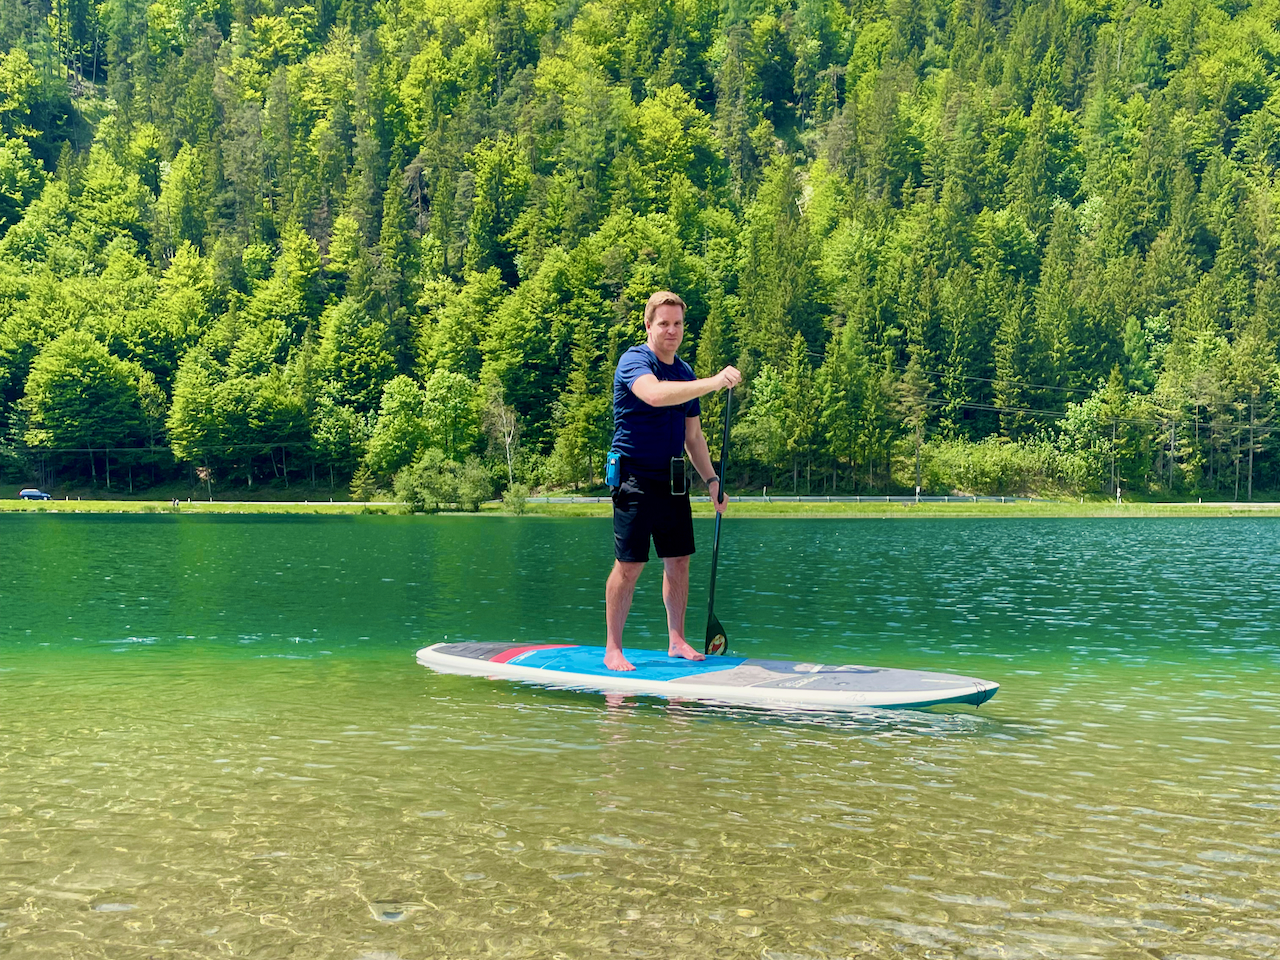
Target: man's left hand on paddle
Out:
[718,497]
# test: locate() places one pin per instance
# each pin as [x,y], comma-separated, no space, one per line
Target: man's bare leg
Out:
[675,594]
[618,591]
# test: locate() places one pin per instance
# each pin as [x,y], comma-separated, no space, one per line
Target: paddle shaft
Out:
[715,553]
[712,622]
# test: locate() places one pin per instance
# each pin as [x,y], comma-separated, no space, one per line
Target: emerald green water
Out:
[215,741]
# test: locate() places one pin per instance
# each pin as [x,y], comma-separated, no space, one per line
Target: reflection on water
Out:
[235,771]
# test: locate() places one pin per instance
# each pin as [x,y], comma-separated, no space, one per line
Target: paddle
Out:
[717,643]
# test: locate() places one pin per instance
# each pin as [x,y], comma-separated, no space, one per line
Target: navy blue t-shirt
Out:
[649,437]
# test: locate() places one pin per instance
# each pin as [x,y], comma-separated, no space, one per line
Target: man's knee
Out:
[628,571]
[675,565]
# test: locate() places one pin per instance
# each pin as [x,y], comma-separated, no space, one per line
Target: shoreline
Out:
[752,509]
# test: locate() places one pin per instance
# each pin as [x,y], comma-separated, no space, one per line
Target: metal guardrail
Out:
[770,498]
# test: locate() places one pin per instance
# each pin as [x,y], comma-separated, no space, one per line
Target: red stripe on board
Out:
[508,655]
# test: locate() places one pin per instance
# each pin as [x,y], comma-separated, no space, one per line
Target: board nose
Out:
[986,690]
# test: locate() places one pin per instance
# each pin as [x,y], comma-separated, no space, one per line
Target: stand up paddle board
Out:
[779,683]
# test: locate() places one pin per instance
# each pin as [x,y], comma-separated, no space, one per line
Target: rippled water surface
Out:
[215,741]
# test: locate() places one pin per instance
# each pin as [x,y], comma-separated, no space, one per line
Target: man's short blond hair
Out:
[661,298]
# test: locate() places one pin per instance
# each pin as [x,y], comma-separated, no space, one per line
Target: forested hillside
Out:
[400,244]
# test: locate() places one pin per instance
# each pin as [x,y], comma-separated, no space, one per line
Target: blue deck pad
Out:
[649,664]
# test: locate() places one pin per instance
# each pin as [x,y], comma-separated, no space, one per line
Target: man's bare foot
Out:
[614,660]
[679,648]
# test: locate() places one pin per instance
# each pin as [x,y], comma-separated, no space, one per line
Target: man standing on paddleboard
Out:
[656,409]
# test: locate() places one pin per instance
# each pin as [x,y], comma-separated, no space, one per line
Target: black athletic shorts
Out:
[644,510]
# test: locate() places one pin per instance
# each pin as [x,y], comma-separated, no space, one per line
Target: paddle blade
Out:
[717,644]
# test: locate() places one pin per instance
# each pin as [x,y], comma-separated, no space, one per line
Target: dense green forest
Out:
[399,245]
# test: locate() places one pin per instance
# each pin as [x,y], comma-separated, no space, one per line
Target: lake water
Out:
[215,741]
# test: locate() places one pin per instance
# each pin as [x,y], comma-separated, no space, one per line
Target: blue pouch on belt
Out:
[613,469]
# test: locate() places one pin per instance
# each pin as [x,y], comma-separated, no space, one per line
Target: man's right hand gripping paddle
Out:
[717,643]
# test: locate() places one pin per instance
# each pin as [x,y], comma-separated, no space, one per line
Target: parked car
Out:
[31,493]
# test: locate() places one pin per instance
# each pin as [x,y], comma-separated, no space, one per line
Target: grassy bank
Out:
[876,511]
[192,506]
[775,509]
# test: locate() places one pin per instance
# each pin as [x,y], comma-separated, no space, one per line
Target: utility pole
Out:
[1236,496]
[1113,453]
[1251,402]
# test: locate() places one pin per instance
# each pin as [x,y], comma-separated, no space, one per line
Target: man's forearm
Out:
[700,455]
[670,393]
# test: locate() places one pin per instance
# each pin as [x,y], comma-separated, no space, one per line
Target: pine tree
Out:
[714,351]
[501,184]
[394,240]
[395,260]
[1018,358]
[912,395]
[1058,316]
[582,411]
[780,288]
[739,111]
[800,401]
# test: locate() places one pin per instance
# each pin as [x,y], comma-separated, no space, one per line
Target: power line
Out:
[1161,422]
[943,375]
[1034,411]
[990,407]
[1016,383]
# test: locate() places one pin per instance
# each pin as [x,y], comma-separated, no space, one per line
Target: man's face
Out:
[667,328]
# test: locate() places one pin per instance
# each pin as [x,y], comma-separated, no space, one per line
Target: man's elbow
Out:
[649,390]
[650,395]
[655,395]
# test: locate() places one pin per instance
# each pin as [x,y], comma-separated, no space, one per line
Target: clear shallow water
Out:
[214,740]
